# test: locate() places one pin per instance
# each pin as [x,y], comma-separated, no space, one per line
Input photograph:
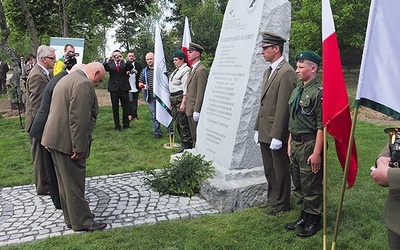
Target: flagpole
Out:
[346,170]
[325,196]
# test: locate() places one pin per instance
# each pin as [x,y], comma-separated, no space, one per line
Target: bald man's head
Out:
[95,71]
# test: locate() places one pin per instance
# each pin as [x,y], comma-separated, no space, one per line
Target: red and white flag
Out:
[335,106]
[186,40]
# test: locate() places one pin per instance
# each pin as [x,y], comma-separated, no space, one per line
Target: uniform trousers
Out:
[71,183]
[193,129]
[41,180]
[307,185]
[116,97]
[276,170]
[181,119]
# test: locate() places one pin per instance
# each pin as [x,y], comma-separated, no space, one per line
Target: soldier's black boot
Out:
[312,226]
[300,223]
[185,145]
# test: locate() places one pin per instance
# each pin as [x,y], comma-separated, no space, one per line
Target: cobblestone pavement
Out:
[118,200]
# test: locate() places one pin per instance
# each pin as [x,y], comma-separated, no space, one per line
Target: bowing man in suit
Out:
[68,135]
[35,85]
[118,86]
[271,128]
[196,87]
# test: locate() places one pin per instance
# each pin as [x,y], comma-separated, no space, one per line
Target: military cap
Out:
[196,47]
[269,38]
[309,55]
[179,54]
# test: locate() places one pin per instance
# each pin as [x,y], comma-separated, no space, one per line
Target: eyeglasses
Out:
[52,58]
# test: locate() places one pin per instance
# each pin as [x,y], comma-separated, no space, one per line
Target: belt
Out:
[303,137]
[180,92]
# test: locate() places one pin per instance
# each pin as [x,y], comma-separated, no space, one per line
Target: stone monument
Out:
[226,127]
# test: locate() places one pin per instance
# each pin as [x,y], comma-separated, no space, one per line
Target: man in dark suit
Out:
[118,86]
[68,135]
[35,84]
[196,87]
[271,128]
[3,76]
[37,128]
[386,176]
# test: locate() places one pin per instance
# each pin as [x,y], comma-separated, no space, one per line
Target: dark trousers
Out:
[51,177]
[41,180]
[116,97]
[3,87]
[181,119]
[133,104]
[71,182]
[276,170]
[193,129]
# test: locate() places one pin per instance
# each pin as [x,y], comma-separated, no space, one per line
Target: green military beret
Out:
[179,54]
[196,47]
[269,38]
[309,55]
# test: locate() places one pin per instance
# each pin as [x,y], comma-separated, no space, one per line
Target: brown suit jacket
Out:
[72,115]
[35,84]
[273,115]
[391,214]
[196,87]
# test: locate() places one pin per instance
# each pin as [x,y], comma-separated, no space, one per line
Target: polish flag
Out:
[186,40]
[335,106]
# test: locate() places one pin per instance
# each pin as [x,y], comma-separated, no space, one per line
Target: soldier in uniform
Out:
[177,88]
[306,144]
[386,176]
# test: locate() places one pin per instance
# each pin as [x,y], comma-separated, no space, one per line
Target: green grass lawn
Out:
[361,225]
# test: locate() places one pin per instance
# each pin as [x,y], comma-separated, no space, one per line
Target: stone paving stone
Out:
[120,200]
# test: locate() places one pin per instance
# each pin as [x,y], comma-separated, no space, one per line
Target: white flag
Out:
[380,65]
[161,89]
[186,40]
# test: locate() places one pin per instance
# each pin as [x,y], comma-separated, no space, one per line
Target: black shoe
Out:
[277,211]
[299,223]
[309,230]
[157,136]
[94,227]
[125,127]
[117,128]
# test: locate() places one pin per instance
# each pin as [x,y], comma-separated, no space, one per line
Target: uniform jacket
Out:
[72,115]
[391,214]
[40,119]
[3,70]
[118,80]
[196,87]
[35,84]
[273,114]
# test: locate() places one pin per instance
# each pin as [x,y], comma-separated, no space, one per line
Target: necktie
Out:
[269,72]
[296,102]
[117,66]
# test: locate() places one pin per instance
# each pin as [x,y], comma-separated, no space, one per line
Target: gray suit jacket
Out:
[37,81]
[273,115]
[72,115]
[196,87]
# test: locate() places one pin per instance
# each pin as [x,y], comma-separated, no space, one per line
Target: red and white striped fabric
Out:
[186,40]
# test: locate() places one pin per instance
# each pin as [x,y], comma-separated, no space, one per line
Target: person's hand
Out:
[182,107]
[196,116]
[141,85]
[275,144]
[76,156]
[256,137]
[315,161]
[380,173]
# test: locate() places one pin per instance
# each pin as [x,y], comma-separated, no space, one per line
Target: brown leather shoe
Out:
[94,227]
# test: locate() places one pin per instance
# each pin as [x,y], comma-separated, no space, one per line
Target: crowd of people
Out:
[61,111]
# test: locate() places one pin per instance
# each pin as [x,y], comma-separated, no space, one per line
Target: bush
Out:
[181,176]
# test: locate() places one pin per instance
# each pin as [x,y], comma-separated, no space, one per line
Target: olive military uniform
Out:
[303,125]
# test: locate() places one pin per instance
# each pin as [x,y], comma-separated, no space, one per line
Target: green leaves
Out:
[182,176]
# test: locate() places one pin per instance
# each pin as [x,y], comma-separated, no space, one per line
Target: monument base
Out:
[231,190]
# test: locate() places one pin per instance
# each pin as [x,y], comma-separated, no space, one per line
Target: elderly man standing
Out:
[271,128]
[196,87]
[68,135]
[35,85]
[177,88]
